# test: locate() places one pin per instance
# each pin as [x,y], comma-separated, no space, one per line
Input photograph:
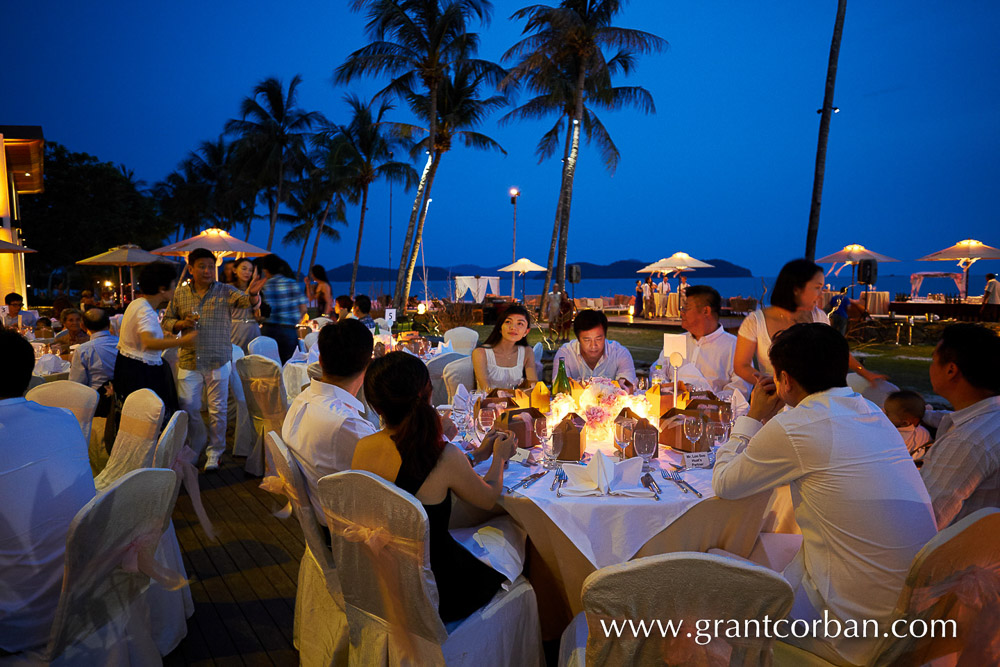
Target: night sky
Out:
[723,169]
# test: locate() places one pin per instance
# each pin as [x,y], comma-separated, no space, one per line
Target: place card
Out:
[697,460]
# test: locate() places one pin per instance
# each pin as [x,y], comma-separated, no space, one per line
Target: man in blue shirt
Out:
[94,361]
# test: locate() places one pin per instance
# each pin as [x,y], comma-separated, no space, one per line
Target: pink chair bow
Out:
[183,465]
[976,608]
[280,487]
[139,557]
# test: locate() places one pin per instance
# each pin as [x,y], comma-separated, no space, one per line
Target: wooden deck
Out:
[244,585]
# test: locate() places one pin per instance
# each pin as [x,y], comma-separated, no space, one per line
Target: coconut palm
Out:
[824,131]
[309,207]
[362,151]
[272,134]
[458,107]
[416,42]
[562,60]
[182,198]
[230,199]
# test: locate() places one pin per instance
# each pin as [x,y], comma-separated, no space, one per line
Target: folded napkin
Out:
[689,374]
[299,356]
[604,477]
[313,355]
[409,351]
[739,404]
[444,348]
[50,363]
[498,543]
[461,401]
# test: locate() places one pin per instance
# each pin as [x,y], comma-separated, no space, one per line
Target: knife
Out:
[647,481]
[652,480]
[536,477]
[524,481]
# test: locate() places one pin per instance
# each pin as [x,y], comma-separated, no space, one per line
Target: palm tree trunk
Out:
[319,232]
[555,226]
[824,132]
[404,257]
[302,256]
[418,237]
[276,203]
[567,184]
[361,227]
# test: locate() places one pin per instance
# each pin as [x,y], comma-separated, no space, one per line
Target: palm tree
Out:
[230,199]
[824,131]
[307,202]
[362,155]
[562,60]
[458,107]
[272,130]
[182,198]
[416,42]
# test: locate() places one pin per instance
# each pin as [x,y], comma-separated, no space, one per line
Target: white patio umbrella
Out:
[677,261]
[8,247]
[967,253]
[219,241]
[522,266]
[852,254]
[129,255]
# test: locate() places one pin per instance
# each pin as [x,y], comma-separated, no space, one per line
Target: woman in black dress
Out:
[412,454]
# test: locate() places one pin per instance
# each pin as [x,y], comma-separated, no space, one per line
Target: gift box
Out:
[501,399]
[672,431]
[569,437]
[643,429]
[540,397]
[714,410]
[521,422]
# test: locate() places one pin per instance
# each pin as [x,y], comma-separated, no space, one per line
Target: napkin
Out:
[313,355]
[461,400]
[604,477]
[498,543]
[410,352]
[444,348]
[739,403]
[689,374]
[299,356]
[50,363]
[523,455]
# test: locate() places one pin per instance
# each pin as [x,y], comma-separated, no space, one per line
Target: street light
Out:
[514,194]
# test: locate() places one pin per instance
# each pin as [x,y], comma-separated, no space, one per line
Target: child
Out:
[43,328]
[905,409]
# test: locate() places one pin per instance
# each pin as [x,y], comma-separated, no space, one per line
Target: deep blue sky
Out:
[723,169]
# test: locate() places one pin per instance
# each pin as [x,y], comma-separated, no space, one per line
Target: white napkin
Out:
[313,355]
[739,404]
[50,363]
[460,401]
[603,476]
[299,356]
[690,375]
[444,348]
[498,543]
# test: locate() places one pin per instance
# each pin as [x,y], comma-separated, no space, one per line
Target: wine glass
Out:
[550,449]
[195,315]
[692,430]
[624,432]
[642,384]
[645,443]
[485,420]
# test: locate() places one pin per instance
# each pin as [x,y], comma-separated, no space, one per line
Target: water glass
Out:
[624,433]
[550,449]
[693,429]
[645,443]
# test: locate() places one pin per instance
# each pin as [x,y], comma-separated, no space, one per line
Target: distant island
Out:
[625,268]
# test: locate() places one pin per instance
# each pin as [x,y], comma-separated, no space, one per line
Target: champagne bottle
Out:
[561,384]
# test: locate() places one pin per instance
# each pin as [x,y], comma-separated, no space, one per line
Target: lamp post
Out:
[390,218]
[514,194]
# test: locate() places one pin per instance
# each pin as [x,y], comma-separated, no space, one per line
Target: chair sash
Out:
[183,465]
[139,557]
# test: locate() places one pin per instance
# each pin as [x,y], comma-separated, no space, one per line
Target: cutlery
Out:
[556,480]
[656,487]
[670,478]
[536,477]
[649,483]
[563,478]
[677,478]
[524,481]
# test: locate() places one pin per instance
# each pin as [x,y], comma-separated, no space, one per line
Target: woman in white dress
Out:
[794,299]
[505,360]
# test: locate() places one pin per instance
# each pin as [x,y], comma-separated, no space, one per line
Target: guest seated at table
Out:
[412,454]
[87,300]
[709,348]
[94,361]
[342,308]
[43,328]
[72,332]
[16,316]
[325,421]
[905,409]
[504,360]
[362,310]
[46,480]
[794,299]
[856,494]
[593,355]
[962,469]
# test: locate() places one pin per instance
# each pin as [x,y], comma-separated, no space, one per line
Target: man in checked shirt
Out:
[207,305]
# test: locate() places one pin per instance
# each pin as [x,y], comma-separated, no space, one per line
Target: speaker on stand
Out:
[573,276]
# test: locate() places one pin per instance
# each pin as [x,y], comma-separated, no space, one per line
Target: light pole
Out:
[514,194]
[390,218]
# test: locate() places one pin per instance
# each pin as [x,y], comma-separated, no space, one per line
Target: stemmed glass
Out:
[624,432]
[693,428]
[485,420]
[645,443]
[196,315]
[641,384]
[550,455]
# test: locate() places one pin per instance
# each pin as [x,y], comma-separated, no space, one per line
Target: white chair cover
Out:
[875,392]
[311,339]
[436,369]
[265,346]
[379,535]
[458,372]
[135,444]
[115,325]
[266,403]
[78,398]
[243,435]
[169,357]
[462,339]
[320,630]
[955,576]
[92,624]
[538,351]
[683,587]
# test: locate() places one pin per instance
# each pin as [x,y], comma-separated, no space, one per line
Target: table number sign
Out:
[697,460]
[390,316]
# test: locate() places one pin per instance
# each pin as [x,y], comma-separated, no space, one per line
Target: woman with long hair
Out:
[318,290]
[245,326]
[505,360]
[411,453]
[794,299]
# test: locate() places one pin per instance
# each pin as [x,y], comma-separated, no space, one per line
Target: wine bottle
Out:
[561,384]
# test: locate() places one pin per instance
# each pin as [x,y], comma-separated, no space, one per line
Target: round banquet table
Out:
[571,537]
[673,310]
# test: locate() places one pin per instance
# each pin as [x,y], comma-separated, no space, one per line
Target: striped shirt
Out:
[962,469]
[284,296]
[213,346]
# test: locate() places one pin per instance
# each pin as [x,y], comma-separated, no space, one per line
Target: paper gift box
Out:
[407,336]
[669,402]
[672,431]
[712,408]
[643,429]
[522,398]
[576,389]
[569,437]
[540,397]
[501,399]
[521,422]
[653,396]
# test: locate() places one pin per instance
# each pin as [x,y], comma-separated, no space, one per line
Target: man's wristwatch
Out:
[472,459]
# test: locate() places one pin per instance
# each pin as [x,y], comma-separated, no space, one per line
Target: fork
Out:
[563,478]
[670,478]
[676,477]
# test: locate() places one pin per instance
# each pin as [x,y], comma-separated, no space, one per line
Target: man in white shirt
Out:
[46,479]
[94,361]
[325,422]
[662,290]
[962,467]
[593,355]
[858,498]
[990,311]
[710,348]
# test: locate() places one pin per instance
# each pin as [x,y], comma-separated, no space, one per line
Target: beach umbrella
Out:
[219,241]
[8,247]
[966,252]
[854,253]
[652,268]
[522,266]
[129,255]
[679,261]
